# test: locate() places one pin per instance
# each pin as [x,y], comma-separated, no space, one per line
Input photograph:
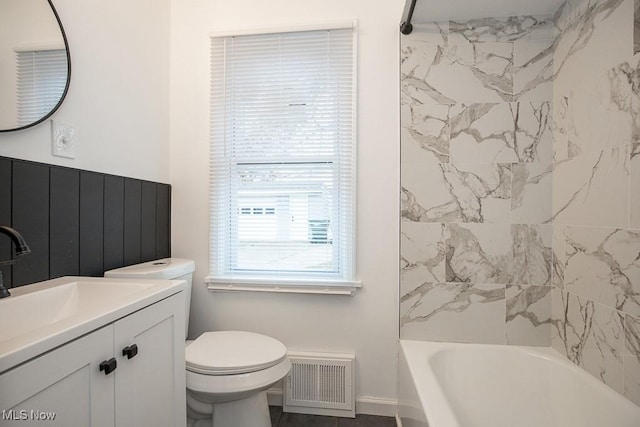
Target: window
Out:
[42,78]
[282,159]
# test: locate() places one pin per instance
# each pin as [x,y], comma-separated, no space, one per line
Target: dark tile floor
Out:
[280,419]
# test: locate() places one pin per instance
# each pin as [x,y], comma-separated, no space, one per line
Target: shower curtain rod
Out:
[405,26]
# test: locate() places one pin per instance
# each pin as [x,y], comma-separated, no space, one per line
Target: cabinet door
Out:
[64,387]
[150,386]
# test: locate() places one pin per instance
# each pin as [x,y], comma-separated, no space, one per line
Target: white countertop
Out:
[40,317]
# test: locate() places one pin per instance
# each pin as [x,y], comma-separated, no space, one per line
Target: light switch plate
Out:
[62,140]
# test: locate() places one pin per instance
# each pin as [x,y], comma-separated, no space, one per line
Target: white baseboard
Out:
[376,406]
[364,404]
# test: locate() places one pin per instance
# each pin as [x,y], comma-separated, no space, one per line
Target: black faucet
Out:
[21,249]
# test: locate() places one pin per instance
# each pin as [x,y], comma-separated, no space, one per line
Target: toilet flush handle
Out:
[130,351]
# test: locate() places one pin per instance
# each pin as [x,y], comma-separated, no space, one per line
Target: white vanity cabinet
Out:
[150,388]
[66,382]
[146,388]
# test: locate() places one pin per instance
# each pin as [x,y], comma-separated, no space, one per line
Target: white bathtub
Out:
[475,385]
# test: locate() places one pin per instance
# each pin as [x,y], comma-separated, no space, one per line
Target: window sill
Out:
[296,286]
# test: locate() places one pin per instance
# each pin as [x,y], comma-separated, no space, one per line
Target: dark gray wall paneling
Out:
[91,224]
[113,222]
[132,220]
[163,221]
[64,220]
[30,216]
[5,216]
[148,223]
[79,222]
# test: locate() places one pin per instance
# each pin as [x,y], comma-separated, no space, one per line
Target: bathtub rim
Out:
[433,401]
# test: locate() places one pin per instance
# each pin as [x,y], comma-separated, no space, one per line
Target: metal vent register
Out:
[320,384]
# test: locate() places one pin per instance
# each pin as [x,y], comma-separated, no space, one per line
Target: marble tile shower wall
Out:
[596,190]
[521,184]
[476,175]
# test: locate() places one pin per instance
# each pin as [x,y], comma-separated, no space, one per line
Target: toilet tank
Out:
[163,269]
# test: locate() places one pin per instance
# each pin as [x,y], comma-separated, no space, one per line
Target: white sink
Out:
[41,316]
[49,305]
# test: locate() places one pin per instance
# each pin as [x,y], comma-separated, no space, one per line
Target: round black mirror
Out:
[35,64]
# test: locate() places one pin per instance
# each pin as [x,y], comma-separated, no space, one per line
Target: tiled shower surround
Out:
[476,178]
[521,184]
[596,191]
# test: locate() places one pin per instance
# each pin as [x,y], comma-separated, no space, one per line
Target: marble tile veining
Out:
[482,192]
[476,154]
[596,246]
[521,184]
[528,311]
[422,253]
[462,193]
[459,312]
[501,132]
[533,70]
[431,32]
[419,61]
[483,133]
[533,132]
[425,131]
[558,320]
[593,338]
[588,29]
[571,127]
[498,253]
[532,255]
[531,188]
[593,188]
[634,186]
[503,29]
[473,72]
[426,195]
[559,254]
[473,61]
[479,253]
[636,27]
[603,265]
[631,358]
[615,116]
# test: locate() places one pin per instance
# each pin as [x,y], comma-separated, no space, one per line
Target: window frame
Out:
[302,282]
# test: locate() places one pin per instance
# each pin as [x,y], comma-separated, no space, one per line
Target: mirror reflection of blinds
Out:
[42,77]
[282,155]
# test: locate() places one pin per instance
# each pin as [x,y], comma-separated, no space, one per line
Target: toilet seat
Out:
[224,388]
[233,352]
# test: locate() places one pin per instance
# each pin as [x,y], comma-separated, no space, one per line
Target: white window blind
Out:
[282,156]
[42,78]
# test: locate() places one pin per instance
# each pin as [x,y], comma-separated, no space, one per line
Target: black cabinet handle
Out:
[108,366]
[130,351]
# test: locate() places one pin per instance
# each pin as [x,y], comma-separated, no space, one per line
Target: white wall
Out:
[118,101]
[367,323]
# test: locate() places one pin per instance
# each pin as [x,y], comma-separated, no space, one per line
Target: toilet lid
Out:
[233,352]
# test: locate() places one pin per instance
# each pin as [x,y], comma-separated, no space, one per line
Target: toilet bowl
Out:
[227,372]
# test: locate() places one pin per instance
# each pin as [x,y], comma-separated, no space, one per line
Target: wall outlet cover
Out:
[62,140]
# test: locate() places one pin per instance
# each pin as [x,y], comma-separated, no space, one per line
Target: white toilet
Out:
[228,372]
